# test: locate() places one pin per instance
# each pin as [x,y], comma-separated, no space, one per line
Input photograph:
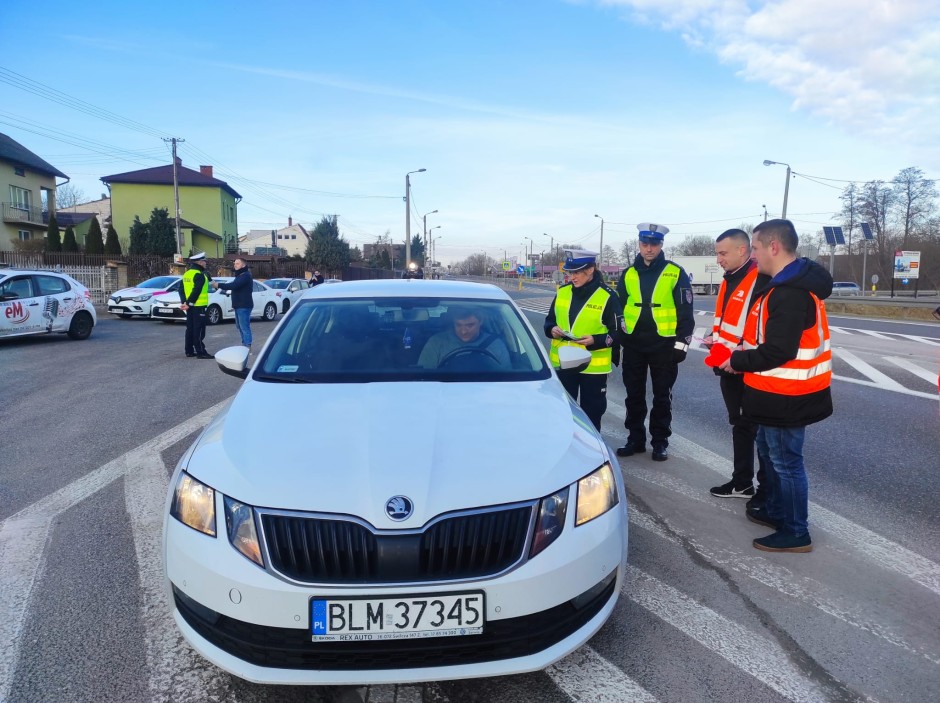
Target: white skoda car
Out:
[439,509]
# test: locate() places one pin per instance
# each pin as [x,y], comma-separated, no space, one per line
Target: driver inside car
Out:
[466,339]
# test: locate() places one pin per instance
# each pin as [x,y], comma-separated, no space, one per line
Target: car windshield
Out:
[277,283]
[362,340]
[158,282]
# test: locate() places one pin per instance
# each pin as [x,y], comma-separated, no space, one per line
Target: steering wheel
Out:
[461,352]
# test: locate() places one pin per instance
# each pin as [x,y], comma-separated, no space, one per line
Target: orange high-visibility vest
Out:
[809,372]
[730,318]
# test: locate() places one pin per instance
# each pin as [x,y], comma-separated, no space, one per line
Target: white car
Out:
[288,290]
[264,300]
[416,521]
[136,301]
[43,302]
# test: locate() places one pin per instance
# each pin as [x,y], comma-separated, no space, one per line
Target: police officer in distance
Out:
[656,332]
[194,295]
[585,312]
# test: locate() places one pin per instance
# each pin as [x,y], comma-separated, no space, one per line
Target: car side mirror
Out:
[571,357]
[233,361]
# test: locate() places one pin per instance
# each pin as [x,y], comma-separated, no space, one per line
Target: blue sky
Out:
[530,117]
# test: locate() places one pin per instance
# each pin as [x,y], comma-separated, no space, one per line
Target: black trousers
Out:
[196,329]
[589,390]
[743,434]
[663,371]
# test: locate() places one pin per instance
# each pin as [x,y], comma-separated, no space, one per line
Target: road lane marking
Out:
[866,369]
[918,338]
[23,536]
[762,658]
[878,335]
[929,376]
[585,676]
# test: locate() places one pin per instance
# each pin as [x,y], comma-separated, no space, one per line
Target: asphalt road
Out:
[92,430]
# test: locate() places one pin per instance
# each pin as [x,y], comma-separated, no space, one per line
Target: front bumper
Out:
[128,308]
[535,614]
[176,313]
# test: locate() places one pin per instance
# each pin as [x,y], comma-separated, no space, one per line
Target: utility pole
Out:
[600,255]
[765,212]
[425,240]
[408,216]
[176,195]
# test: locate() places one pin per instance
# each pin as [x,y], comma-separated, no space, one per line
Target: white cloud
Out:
[869,66]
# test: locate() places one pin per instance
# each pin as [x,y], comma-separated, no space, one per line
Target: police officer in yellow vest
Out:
[585,312]
[657,329]
[194,295]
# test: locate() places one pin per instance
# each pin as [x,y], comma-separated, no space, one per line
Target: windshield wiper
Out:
[281,379]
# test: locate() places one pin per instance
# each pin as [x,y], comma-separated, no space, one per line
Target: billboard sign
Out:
[907,264]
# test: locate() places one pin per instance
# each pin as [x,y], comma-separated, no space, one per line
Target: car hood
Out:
[350,448]
[134,292]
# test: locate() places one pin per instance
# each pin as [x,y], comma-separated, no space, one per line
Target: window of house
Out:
[23,234]
[19,171]
[20,198]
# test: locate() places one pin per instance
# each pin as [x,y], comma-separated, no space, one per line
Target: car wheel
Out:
[270,312]
[286,307]
[81,326]
[213,315]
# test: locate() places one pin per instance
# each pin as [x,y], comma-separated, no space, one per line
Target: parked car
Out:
[288,290]
[167,307]
[845,288]
[401,528]
[137,301]
[43,302]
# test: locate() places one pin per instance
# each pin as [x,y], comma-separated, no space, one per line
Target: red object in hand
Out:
[718,355]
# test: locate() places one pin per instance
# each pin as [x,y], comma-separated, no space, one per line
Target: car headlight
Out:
[597,493]
[551,521]
[240,525]
[194,504]
[142,298]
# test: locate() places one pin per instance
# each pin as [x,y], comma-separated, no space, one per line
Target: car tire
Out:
[213,315]
[286,307]
[270,312]
[81,326]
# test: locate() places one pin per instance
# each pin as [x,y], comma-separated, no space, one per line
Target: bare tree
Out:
[850,215]
[914,198]
[875,201]
[697,245]
[67,196]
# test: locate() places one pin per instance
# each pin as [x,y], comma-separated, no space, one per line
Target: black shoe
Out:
[757,502]
[629,449]
[190,355]
[727,490]
[660,454]
[781,541]
[204,355]
[761,517]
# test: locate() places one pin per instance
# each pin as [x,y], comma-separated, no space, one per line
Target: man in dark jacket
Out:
[242,300]
[787,367]
[585,312]
[658,322]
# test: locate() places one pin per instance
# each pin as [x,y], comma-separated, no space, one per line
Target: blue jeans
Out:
[781,448]
[243,323]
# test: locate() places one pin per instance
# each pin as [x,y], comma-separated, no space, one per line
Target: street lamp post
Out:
[600,255]
[529,259]
[431,244]
[433,250]
[786,188]
[765,212]
[425,238]
[551,242]
[408,215]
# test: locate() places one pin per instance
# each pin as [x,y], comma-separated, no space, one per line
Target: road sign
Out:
[874,278]
[506,266]
[520,269]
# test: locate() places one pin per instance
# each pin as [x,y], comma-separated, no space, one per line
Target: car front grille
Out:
[289,648]
[315,549]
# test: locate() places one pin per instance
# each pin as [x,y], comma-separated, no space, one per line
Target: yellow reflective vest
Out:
[663,304]
[587,322]
[189,282]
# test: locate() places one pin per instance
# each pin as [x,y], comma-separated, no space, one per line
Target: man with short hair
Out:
[733,252]
[657,327]
[585,312]
[467,333]
[194,296]
[787,367]
[242,299]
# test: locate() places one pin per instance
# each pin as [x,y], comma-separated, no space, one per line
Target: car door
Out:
[259,298]
[59,302]
[21,309]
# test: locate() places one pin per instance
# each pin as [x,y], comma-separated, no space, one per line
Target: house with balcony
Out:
[208,206]
[27,193]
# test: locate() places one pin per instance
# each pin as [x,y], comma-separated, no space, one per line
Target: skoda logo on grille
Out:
[399,508]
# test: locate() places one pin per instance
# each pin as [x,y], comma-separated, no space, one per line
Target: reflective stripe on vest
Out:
[188,279]
[809,372]
[663,304]
[730,318]
[588,321]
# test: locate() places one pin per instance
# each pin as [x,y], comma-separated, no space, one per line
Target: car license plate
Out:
[116,310]
[167,310]
[401,617]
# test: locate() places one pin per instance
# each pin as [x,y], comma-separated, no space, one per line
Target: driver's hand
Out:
[586,340]
[557,333]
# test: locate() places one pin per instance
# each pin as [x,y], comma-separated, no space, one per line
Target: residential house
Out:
[27,193]
[79,216]
[209,205]
[293,239]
